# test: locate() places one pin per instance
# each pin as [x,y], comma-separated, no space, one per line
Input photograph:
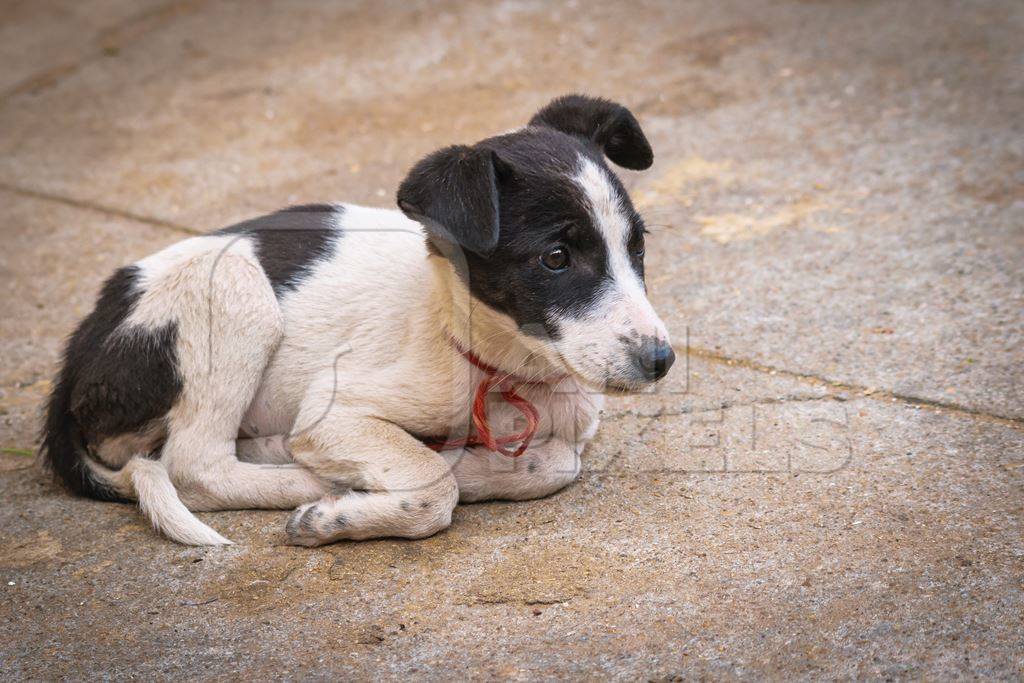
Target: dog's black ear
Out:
[610,126]
[454,194]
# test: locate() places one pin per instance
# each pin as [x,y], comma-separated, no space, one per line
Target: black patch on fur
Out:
[290,242]
[109,384]
[608,125]
[540,207]
[466,213]
[531,467]
[341,521]
[308,517]
[406,506]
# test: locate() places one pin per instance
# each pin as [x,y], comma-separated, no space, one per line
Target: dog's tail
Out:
[147,481]
[63,451]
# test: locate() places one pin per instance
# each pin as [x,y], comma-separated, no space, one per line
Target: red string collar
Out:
[507,384]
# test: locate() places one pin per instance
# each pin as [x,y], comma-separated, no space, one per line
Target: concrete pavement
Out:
[829,484]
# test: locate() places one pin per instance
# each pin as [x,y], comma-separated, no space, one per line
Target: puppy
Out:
[374,367]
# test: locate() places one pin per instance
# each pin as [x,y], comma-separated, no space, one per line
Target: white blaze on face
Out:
[594,343]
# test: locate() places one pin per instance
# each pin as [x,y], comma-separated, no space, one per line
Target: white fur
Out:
[591,344]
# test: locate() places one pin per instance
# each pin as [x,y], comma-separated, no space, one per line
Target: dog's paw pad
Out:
[311,525]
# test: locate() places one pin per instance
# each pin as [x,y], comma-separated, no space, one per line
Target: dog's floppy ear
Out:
[454,194]
[609,125]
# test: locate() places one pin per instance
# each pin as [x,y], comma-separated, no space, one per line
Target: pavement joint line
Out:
[98,208]
[865,391]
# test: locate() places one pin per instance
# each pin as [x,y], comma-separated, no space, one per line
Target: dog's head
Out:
[550,238]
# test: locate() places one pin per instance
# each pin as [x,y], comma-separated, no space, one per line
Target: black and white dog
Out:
[374,367]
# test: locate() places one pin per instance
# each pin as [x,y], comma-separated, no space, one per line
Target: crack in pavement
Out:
[864,391]
[97,208]
[659,413]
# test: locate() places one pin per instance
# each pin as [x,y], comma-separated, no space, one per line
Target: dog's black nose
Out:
[654,358]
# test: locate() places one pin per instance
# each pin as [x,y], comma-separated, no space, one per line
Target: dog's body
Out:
[303,358]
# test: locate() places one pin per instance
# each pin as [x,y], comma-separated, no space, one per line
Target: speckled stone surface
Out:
[831,482]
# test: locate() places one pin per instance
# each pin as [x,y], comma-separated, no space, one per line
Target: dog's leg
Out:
[399,486]
[228,324]
[485,475]
[232,485]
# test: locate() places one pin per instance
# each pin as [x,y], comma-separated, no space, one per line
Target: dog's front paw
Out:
[311,525]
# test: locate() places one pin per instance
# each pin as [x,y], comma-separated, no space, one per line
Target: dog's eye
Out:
[637,247]
[556,258]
